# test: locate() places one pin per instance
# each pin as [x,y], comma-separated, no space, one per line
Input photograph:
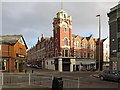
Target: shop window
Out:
[17,64]
[91,55]
[4,65]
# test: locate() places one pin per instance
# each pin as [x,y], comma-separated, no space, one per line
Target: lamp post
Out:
[99,28]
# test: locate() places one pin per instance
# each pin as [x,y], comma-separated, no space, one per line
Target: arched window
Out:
[66,41]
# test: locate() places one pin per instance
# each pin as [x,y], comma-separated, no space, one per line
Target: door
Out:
[66,67]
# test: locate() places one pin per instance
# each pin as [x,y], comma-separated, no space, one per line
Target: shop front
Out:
[86,64]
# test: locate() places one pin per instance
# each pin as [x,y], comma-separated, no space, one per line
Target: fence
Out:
[44,81]
[1,79]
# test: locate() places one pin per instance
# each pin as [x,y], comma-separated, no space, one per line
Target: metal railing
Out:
[70,82]
[1,79]
[44,81]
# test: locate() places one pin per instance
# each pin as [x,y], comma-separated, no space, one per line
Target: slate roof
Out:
[88,38]
[11,39]
[74,36]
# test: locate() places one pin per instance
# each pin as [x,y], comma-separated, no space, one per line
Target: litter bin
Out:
[57,83]
[32,71]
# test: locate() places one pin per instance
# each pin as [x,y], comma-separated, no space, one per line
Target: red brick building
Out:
[12,53]
[64,51]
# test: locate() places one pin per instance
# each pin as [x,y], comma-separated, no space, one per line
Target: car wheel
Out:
[101,78]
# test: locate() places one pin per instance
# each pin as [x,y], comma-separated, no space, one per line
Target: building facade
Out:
[42,54]
[12,53]
[114,28]
[85,52]
[64,51]
[106,58]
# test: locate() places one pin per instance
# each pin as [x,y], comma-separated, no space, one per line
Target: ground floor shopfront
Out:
[12,65]
[69,64]
[65,64]
[85,64]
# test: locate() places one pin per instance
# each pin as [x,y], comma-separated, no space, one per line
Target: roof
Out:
[88,38]
[102,40]
[74,36]
[11,39]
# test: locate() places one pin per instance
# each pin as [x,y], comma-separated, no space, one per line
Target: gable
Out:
[91,40]
[85,40]
[21,41]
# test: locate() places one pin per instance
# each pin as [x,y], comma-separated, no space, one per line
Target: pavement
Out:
[95,75]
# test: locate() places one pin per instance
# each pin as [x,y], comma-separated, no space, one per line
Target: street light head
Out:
[98,15]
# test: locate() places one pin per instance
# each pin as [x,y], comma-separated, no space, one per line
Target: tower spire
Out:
[61,4]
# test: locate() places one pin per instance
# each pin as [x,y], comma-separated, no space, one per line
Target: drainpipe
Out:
[8,58]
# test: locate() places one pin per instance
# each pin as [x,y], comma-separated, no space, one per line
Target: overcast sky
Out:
[31,19]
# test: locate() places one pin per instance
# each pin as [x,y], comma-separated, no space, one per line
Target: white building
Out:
[106,54]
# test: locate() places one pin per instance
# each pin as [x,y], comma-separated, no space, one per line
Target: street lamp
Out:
[99,23]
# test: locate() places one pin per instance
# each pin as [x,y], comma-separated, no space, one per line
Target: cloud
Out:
[34,18]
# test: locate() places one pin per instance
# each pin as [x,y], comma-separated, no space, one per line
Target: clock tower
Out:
[62,29]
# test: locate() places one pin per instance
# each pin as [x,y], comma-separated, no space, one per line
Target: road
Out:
[43,78]
[86,80]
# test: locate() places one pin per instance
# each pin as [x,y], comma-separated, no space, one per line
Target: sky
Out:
[31,19]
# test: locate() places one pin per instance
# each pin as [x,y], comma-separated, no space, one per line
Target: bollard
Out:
[32,71]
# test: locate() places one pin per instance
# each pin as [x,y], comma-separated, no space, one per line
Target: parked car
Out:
[32,66]
[112,75]
[36,66]
[28,65]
